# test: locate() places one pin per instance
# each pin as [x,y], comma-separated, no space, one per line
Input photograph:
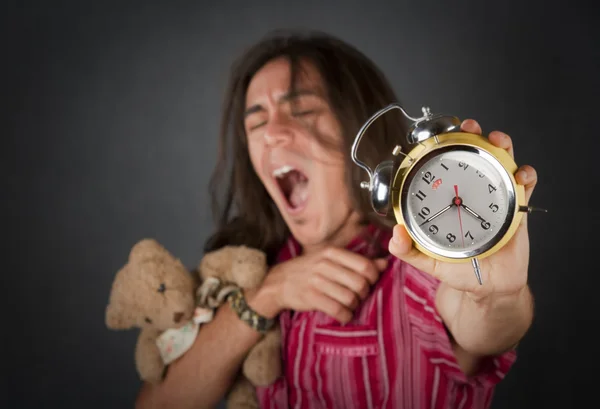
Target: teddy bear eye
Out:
[161,288]
[148,320]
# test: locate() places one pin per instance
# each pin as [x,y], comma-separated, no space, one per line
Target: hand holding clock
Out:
[504,271]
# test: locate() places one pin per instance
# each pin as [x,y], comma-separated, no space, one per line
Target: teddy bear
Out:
[246,267]
[154,292]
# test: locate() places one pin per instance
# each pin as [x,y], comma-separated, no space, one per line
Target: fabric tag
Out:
[174,342]
[202,315]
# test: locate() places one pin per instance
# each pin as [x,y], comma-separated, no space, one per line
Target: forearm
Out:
[488,326]
[202,376]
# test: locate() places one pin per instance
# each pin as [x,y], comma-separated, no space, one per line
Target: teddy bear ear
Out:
[213,263]
[245,254]
[147,249]
[120,312]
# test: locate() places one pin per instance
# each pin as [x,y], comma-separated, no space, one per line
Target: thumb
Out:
[401,246]
[401,243]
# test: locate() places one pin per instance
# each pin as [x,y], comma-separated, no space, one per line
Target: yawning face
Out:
[293,142]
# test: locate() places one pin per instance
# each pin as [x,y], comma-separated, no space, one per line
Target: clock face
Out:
[458,202]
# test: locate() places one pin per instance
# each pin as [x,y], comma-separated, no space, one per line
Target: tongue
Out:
[298,194]
[298,190]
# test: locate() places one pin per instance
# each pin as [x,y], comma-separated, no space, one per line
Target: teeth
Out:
[279,172]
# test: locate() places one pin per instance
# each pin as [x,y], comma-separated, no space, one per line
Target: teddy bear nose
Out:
[177,316]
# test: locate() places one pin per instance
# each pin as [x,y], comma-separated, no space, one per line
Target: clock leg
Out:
[530,209]
[475,263]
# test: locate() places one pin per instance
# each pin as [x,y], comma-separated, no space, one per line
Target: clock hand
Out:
[458,203]
[484,223]
[468,209]
[437,214]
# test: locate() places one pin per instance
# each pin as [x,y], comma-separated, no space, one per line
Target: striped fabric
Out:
[395,353]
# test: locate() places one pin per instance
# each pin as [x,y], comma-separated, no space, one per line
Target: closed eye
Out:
[303,113]
[254,127]
[294,113]
[297,114]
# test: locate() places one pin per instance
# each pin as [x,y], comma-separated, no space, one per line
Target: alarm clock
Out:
[454,191]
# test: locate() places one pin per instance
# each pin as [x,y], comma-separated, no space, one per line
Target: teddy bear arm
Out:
[262,366]
[148,361]
[242,395]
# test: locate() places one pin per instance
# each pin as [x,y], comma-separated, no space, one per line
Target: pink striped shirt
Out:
[395,353]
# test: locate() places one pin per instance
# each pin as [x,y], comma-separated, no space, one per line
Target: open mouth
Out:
[294,186]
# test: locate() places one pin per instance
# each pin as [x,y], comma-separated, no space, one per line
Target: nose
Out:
[177,317]
[278,131]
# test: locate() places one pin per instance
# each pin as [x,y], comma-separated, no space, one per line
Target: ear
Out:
[248,266]
[244,256]
[147,249]
[120,313]
[214,263]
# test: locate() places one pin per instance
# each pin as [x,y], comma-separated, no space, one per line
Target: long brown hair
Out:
[356,89]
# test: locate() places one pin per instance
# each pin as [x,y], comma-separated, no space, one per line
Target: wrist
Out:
[492,324]
[494,297]
[263,301]
[516,306]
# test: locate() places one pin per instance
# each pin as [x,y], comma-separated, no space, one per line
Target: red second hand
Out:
[457,202]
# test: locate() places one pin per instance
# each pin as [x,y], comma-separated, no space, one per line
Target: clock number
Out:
[469,235]
[444,166]
[421,195]
[433,229]
[481,175]
[494,207]
[485,225]
[491,188]
[428,177]
[424,212]
[463,165]
[451,237]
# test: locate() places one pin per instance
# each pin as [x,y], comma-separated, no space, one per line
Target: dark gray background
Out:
[110,116]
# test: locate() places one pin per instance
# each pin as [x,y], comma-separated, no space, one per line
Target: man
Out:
[367,321]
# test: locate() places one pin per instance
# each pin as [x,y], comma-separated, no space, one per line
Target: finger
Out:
[381,263]
[527,176]
[346,277]
[502,140]
[457,275]
[338,292]
[354,262]
[471,126]
[327,305]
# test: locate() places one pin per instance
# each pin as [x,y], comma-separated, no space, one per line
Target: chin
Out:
[304,228]
[306,234]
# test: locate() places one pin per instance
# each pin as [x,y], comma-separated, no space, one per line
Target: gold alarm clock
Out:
[454,191]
